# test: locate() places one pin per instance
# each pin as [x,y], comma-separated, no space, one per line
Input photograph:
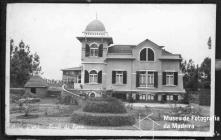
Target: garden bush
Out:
[104,105]
[17,91]
[102,119]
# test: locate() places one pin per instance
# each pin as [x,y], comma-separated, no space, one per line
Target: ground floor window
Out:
[93,76]
[169,97]
[150,97]
[33,90]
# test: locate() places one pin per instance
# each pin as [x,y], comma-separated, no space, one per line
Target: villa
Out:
[145,72]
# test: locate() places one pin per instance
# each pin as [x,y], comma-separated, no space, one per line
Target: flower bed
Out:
[102,119]
[104,105]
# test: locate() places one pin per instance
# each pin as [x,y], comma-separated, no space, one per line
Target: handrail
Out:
[63,88]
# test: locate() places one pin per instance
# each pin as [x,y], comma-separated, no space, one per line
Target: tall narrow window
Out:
[93,50]
[119,77]
[150,55]
[143,55]
[87,50]
[169,78]
[93,76]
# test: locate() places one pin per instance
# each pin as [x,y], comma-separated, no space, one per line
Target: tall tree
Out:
[23,64]
[205,71]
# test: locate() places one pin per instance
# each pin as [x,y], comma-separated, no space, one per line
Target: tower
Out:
[95,41]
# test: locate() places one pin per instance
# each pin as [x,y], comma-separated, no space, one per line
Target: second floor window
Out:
[93,50]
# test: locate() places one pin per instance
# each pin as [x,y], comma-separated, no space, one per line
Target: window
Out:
[93,76]
[146,79]
[119,77]
[147,54]
[33,90]
[93,50]
[169,78]
[169,97]
[150,97]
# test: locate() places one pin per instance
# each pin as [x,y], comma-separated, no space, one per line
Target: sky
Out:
[51,29]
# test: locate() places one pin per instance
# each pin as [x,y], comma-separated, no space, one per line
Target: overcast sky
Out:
[51,29]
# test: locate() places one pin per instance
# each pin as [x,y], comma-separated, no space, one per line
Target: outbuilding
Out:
[36,85]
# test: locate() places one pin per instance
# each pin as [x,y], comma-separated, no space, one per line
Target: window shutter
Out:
[155,79]
[87,50]
[124,77]
[164,78]
[100,52]
[150,55]
[100,77]
[143,54]
[86,76]
[175,78]
[113,77]
[137,79]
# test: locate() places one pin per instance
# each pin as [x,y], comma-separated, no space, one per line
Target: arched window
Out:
[93,50]
[150,55]
[93,76]
[143,55]
[146,54]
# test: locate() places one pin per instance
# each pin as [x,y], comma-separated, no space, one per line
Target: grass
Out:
[60,115]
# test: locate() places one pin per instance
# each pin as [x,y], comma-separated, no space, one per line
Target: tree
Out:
[205,72]
[190,78]
[23,64]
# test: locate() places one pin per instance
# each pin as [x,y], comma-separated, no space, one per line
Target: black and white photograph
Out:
[110,69]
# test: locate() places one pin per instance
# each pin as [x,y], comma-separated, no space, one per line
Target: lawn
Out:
[53,115]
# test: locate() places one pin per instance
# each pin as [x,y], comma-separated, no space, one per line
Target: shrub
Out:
[17,91]
[14,98]
[104,105]
[102,119]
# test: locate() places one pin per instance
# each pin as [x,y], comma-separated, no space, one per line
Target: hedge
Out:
[17,91]
[102,119]
[104,105]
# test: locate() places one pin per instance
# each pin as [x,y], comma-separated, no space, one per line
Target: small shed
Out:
[37,85]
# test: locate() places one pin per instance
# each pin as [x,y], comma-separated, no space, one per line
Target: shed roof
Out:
[36,81]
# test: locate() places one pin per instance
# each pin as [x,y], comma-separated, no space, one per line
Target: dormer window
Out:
[147,54]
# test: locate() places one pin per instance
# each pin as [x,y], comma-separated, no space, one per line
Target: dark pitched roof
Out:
[120,49]
[164,52]
[36,81]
